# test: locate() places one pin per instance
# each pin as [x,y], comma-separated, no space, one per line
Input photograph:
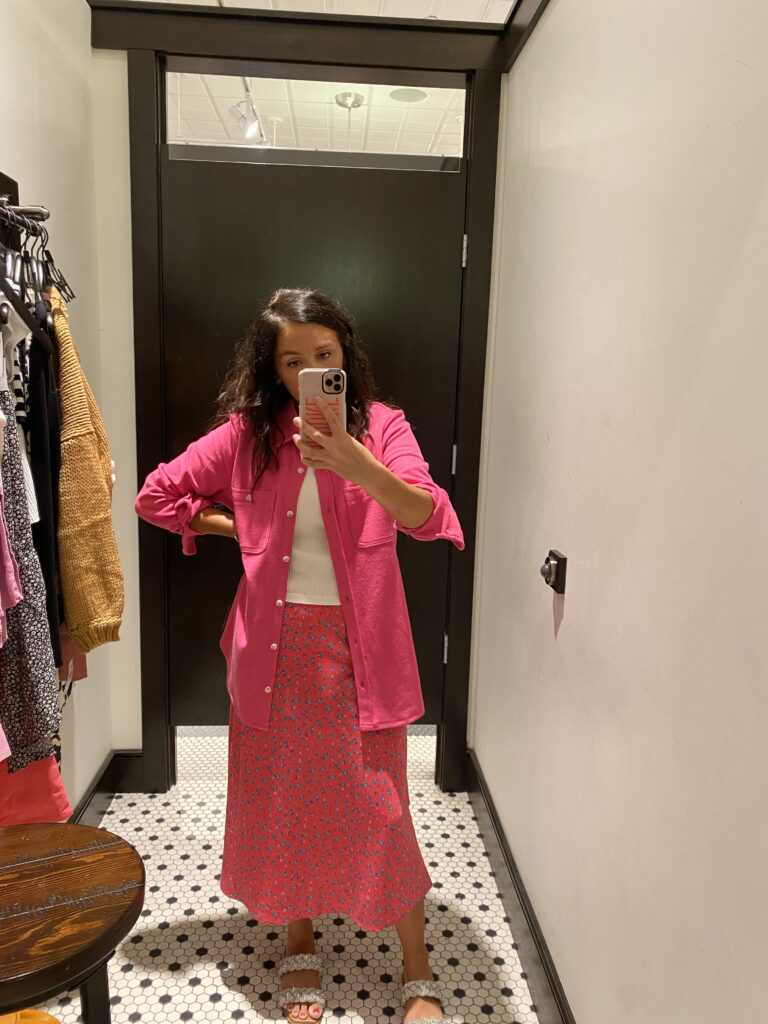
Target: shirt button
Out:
[301,469]
[267,689]
[286,558]
[279,603]
[249,497]
[289,514]
[273,646]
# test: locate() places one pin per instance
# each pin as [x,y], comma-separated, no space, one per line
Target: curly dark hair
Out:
[249,387]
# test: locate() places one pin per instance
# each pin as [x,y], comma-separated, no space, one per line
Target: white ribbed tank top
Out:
[311,578]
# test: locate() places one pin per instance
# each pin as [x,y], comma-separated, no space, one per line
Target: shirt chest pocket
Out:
[370,523]
[254,511]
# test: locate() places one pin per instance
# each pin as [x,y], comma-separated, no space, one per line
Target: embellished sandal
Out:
[428,987]
[298,993]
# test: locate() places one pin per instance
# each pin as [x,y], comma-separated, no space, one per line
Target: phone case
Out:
[329,382]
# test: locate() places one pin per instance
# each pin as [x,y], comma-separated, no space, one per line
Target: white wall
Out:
[47,109]
[622,729]
[113,241]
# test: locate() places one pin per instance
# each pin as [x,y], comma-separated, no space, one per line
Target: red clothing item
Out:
[218,469]
[34,795]
[363,861]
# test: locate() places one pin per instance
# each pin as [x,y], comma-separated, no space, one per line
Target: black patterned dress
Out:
[29,705]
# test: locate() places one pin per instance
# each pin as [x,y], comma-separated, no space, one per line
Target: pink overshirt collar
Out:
[284,424]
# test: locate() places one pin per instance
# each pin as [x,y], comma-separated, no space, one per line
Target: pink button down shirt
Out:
[217,469]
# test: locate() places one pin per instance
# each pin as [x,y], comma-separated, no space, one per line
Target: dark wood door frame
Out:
[151,32]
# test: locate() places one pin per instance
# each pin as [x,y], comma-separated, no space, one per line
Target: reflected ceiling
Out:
[492,12]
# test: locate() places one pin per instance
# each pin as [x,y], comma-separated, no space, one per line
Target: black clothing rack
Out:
[13,216]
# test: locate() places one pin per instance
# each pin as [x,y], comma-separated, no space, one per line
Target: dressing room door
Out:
[387,242]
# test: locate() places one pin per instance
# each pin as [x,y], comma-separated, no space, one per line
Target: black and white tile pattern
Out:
[195,955]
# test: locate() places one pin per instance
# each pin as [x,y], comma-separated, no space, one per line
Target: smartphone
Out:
[332,385]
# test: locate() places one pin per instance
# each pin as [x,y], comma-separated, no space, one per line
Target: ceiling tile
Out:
[309,6]
[406,8]
[224,86]
[379,136]
[187,85]
[460,10]
[410,137]
[208,129]
[368,8]
[198,108]
[272,108]
[314,110]
[499,12]
[268,88]
[427,118]
[311,92]
[316,123]
[385,123]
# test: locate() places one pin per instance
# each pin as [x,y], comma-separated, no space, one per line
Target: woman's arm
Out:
[214,521]
[176,494]
[399,480]
[409,505]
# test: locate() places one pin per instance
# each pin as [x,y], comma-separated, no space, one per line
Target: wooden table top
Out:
[69,894]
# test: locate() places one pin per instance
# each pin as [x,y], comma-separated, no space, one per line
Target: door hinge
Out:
[464,246]
[453,460]
[445,648]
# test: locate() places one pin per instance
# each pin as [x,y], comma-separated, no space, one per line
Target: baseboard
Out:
[121,772]
[546,990]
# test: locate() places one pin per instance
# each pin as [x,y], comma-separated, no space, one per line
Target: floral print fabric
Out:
[318,812]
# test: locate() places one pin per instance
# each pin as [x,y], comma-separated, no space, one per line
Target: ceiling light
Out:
[252,126]
[245,115]
[350,100]
[408,95]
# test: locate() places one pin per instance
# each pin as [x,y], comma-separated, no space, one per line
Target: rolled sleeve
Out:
[199,478]
[186,510]
[402,455]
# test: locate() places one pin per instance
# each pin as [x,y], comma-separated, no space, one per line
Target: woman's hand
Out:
[214,521]
[341,452]
[409,505]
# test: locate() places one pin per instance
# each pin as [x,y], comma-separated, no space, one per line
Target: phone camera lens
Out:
[337,377]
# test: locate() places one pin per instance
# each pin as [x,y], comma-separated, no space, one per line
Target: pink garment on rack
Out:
[5,750]
[36,794]
[10,586]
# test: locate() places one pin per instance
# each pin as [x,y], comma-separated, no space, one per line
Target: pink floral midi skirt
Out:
[318,813]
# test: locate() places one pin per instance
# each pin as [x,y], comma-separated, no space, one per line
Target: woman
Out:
[321,668]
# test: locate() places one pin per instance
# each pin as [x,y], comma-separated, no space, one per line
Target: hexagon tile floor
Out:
[195,955]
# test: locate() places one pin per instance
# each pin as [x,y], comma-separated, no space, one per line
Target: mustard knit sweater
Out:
[90,574]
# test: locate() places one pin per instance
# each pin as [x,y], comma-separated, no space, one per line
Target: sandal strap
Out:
[299,994]
[422,987]
[300,962]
